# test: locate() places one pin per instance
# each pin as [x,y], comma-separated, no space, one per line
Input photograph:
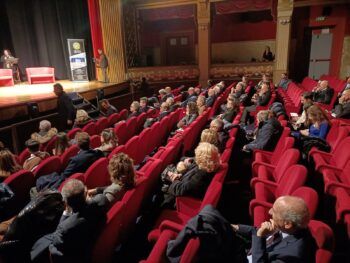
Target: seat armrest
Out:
[255,167]
[342,203]
[188,205]
[254,203]
[170,225]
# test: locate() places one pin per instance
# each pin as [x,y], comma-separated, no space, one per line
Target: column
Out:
[204,48]
[284,14]
[112,32]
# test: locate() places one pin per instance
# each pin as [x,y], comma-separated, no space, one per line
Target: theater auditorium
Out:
[175,131]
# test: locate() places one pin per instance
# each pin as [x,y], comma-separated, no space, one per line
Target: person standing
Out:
[4,59]
[65,106]
[102,63]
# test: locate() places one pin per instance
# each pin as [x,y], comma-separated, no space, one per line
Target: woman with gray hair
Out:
[46,132]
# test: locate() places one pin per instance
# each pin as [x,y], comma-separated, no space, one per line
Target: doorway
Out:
[320,53]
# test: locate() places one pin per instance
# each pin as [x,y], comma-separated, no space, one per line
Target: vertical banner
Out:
[77,60]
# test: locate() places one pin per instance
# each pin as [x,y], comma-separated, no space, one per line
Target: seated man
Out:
[261,98]
[218,126]
[164,111]
[35,157]
[77,164]
[284,81]
[191,97]
[211,98]
[323,93]
[285,238]
[77,230]
[269,131]
[107,108]
[46,132]
[144,105]
[342,110]
[172,105]
[134,109]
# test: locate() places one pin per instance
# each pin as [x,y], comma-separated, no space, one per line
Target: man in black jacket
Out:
[65,106]
[77,230]
[323,93]
[285,238]
[342,110]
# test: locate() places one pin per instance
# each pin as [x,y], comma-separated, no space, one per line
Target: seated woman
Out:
[8,164]
[194,182]
[239,90]
[318,121]
[46,132]
[121,170]
[268,133]
[201,104]
[191,115]
[62,143]
[212,137]
[82,118]
[134,109]
[108,141]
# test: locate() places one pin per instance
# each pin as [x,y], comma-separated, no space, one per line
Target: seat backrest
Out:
[140,121]
[293,178]
[225,156]
[151,170]
[221,173]
[341,154]
[342,133]
[68,153]
[6,72]
[123,114]
[121,132]
[212,195]
[101,124]
[310,197]
[48,166]
[90,128]
[324,238]
[71,133]
[110,236]
[20,183]
[283,145]
[113,119]
[50,145]
[97,175]
[133,150]
[191,250]
[24,155]
[131,126]
[288,158]
[118,149]
[95,141]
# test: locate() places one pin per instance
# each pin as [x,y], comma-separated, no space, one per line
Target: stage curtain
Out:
[185,11]
[95,26]
[238,6]
[40,30]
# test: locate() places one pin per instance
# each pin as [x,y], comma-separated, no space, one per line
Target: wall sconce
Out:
[284,21]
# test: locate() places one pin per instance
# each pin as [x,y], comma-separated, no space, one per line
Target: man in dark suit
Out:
[77,230]
[285,238]
[65,107]
[77,164]
[342,110]
[144,105]
[191,96]
[323,93]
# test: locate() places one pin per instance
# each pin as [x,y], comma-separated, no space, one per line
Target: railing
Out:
[236,70]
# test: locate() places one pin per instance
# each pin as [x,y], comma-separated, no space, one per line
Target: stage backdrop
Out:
[40,30]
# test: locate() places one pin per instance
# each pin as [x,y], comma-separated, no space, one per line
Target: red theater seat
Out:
[71,134]
[101,124]
[48,166]
[95,141]
[6,77]
[40,75]
[97,175]
[69,153]
[90,128]
[324,238]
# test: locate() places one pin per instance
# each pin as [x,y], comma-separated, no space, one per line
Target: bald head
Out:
[291,210]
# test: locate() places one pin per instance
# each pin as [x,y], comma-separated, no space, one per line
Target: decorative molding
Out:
[252,70]
[145,4]
[319,2]
[155,74]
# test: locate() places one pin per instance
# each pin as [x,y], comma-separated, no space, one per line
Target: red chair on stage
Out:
[6,77]
[40,75]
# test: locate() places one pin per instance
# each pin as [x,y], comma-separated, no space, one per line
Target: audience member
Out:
[210,136]
[65,107]
[172,105]
[268,133]
[245,80]
[194,182]
[77,230]
[35,157]
[191,115]
[77,164]
[284,82]
[285,238]
[201,104]
[45,133]
[191,97]
[346,86]
[232,108]
[239,90]
[134,109]
[323,93]
[144,105]
[211,98]
[106,108]
[123,178]
[217,125]
[342,110]
[62,143]
[108,141]
[82,118]
[299,122]
[261,98]
[164,111]
[8,164]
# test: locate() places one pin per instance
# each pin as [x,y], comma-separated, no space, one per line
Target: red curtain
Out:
[237,6]
[186,11]
[95,26]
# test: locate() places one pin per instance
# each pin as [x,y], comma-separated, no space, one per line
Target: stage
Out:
[14,99]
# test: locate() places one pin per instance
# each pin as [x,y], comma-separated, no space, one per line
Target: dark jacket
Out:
[267,136]
[228,115]
[111,109]
[134,114]
[191,98]
[166,96]
[144,109]
[65,107]
[343,110]
[264,99]
[323,96]
[299,247]
[193,183]
[210,101]
[74,237]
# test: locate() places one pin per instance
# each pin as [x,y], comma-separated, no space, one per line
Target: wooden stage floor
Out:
[23,92]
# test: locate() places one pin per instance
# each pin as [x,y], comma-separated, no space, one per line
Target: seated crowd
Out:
[248,115]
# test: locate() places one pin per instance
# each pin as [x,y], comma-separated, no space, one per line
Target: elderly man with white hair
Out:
[323,93]
[46,132]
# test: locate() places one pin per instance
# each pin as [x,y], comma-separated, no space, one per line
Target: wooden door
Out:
[179,49]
